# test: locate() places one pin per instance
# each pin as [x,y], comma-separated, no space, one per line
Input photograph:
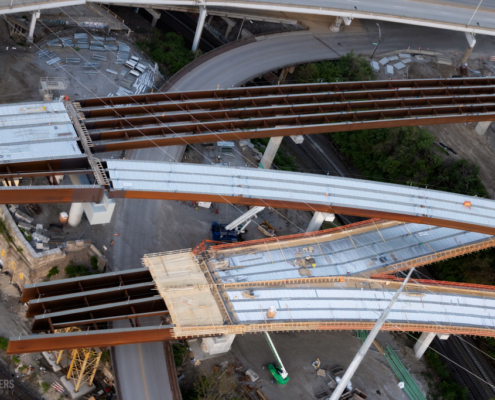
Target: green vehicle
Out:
[280,375]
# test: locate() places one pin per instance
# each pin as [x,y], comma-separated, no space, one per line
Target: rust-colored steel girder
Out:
[50,194]
[58,166]
[267,202]
[283,90]
[75,340]
[85,283]
[97,126]
[90,298]
[253,128]
[98,314]
[294,99]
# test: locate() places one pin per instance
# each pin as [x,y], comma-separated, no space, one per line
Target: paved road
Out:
[246,62]
[456,13]
[147,226]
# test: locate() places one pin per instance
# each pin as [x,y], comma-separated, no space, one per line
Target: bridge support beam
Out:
[230,25]
[471,43]
[270,152]
[482,127]
[75,214]
[318,219]
[424,342]
[218,344]
[199,27]
[335,27]
[34,17]
[155,14]
[347,20]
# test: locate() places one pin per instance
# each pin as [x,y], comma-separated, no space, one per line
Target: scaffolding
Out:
[83,366]
[81,363]
[52,86]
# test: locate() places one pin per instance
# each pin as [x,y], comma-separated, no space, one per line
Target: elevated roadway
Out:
[301,275]
[451,15]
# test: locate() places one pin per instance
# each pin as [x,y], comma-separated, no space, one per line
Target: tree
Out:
[214,386]
[349,67]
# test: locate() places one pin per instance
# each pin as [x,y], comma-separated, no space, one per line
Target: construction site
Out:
[179,221]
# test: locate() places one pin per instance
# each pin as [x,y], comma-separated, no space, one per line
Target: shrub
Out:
[75,270]
[45,386]
[94,262]
[4,342]
[180,353]
[53,271]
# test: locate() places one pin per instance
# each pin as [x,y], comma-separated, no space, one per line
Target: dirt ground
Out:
[22,68]
[298,350]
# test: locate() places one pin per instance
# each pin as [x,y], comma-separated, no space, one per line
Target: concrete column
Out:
[270,152]
[424,342]
[318,219]
[471,43]
[155,14]
[347,20]
[466,55]
[482,127]
[210,20]
[335,27]
[217,345]
[297,139]
[230,25]
[34,17]
[75,214]
[199,28]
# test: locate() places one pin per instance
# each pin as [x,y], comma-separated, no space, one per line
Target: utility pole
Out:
[353,366]
[380,38]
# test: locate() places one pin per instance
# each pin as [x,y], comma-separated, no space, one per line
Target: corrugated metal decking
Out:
[359,304]
[349,255]
[253,186]
[38,130]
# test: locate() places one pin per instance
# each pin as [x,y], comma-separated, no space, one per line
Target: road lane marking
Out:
[142,372]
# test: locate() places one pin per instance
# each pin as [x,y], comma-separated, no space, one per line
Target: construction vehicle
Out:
[233,232]
[277,369]
[219,233]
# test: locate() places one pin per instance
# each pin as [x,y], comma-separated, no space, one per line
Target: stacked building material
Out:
[410,386]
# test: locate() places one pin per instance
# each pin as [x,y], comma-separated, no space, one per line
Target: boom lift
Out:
[277,369]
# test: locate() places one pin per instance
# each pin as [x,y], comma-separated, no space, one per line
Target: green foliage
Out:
[215,386]
[447,388]
[407,155]
[20,249]
[478,268]
[45,386]
[4,342]
[76,270]
[53,271]
[348,68]
[180,352]
[4,231]
[168,49]
[23,368]
[94,262]
[282,160]
[16,359]
[105,356]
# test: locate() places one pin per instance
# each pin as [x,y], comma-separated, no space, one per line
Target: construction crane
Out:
[280,375]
